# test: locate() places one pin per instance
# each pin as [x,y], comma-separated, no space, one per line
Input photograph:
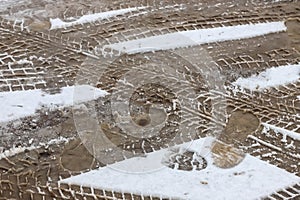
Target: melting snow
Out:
[272,77]
[58,23]
[196,37]
[251,179]
[19,104]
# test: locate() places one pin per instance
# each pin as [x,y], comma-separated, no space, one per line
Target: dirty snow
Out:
[251,179]
[19,104]
[196,37]
[272,77]
[58,23]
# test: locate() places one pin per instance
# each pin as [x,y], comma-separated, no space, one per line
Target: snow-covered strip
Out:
[19,104]
[272,77]
[282,131]
[251,179]
[58,23]
[16,150]
[196,37]
[5,4]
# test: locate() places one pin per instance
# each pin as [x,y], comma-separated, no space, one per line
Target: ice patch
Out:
[19,104]
[252,179]
[196,37]
[272,77]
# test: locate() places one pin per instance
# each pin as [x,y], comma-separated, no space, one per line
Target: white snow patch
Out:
[196,37]
[24,61]
[282,131]
[20,62]
[56,141]
[19,104]
[272,77]
[16,150]
[255,178]
[58,23]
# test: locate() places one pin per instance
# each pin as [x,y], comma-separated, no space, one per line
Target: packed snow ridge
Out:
[20,149]
[58,23]
[196,37]
[272,77]
[282,131]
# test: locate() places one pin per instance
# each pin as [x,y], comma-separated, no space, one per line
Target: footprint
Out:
[76,157]
[225,150]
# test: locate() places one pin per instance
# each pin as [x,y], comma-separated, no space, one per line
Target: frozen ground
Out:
[251,107]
